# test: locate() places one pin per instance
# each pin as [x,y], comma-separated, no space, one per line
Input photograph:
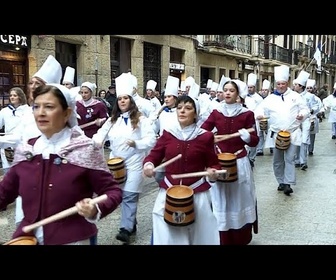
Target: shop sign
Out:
[176,66]
[21,41]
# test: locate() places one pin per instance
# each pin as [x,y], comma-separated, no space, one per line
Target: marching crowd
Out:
[199,145]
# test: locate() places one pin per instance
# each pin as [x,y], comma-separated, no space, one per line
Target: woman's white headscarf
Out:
[70,98]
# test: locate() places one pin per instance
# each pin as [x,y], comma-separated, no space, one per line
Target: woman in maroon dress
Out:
[58,170]
[195,146]
[93,113]
[234,202]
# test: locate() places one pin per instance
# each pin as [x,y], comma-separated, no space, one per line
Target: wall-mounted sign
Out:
[21,41]
[249,66]
[177,66]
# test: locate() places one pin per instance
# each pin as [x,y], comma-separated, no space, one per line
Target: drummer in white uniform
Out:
[131,136]
[286,110]
[301,159]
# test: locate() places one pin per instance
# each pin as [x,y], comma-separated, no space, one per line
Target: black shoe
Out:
[333,137]
[134,230]
[252,164]
[297,165]
[123,235]
[260,154]
[311,153]
[287,190]
[271,150]
[281,187]
[304,166]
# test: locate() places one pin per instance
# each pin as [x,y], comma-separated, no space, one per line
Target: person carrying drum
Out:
[234,201]
[131,136]
[62,176]
[286,110]
[195,145]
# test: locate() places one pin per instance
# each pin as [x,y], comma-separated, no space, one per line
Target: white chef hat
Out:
[183,87]
[91,86]
[69,75]
[124,84]
[133,80]
[214,86]
[251,79]
[209,82]
[189,81]
[266,84]
[222,81]
[194,93]
[281,73]
[70,97]
[151,84]
[242,88]
[50,71]
[302,78]
[172,85]
[310,83]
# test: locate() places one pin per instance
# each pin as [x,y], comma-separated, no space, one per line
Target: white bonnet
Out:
[70,97]
[222,81]
[91,86]
[242,88]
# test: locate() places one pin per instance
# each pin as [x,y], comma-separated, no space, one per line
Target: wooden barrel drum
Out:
[9,153]
[228,161]
[263,124]
[22,240]
[179,206]
[282,141]
[117,168]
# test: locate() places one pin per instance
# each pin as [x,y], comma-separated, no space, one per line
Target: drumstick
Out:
[87,124]
[168,162]
[219,138]
[60,215]
[196,174]
[90,123]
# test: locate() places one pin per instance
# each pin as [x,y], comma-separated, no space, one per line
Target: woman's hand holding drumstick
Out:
[198,174]
[81,208]
[223,137]
[149,169]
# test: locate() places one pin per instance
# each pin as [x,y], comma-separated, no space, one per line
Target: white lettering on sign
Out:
[14,40]
[178,66]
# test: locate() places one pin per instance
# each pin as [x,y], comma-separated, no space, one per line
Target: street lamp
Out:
[310,42]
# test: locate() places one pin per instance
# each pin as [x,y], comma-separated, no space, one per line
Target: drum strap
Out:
[193,186]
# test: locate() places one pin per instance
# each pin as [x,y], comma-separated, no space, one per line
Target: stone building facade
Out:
[101,58]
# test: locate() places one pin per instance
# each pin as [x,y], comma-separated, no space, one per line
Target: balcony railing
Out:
[269,50]
[241,43]
[265,49]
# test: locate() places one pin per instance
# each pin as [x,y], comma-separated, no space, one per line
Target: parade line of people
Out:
[199,146]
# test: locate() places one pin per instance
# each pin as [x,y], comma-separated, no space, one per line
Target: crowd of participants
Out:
[184,137]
